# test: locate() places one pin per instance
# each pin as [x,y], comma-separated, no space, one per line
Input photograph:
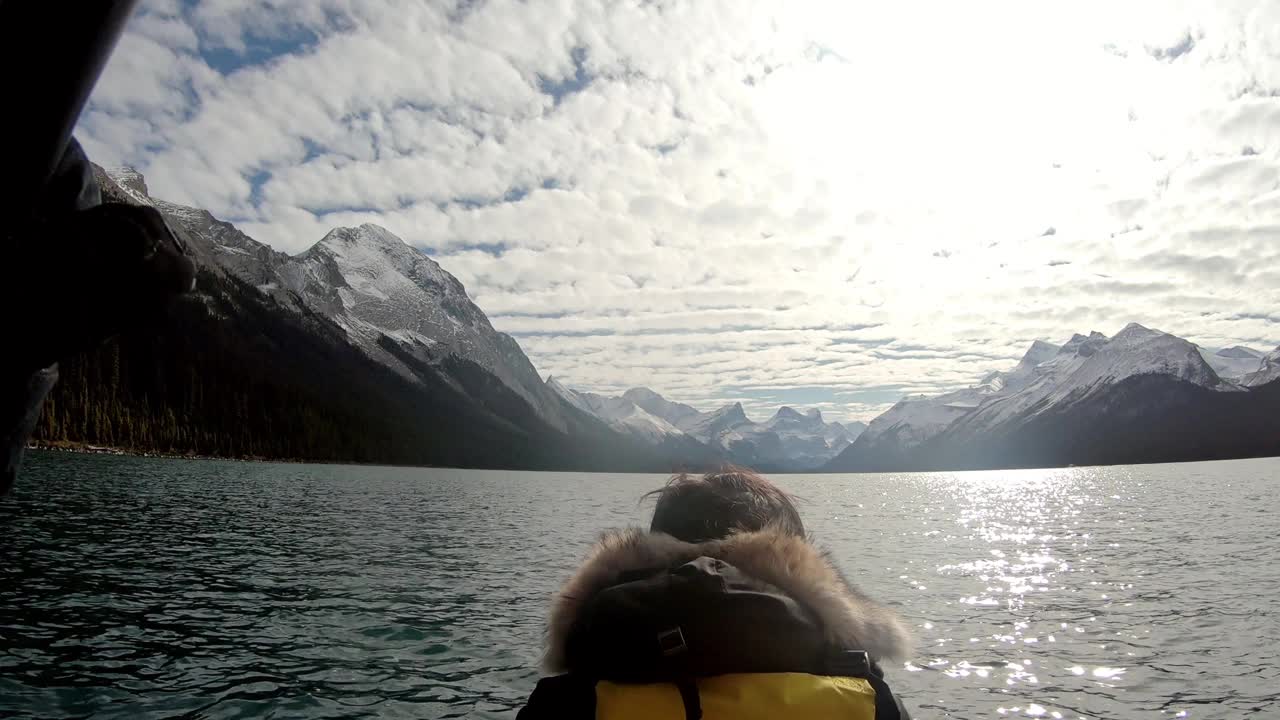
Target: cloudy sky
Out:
[823,204]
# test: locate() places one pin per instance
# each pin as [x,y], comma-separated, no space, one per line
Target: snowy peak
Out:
[1025,372]
[1096,363]
[731,413]
[378,255]
[570,396]
[852,429]
[619,413]
[375,285]
[1135,332]
[1140,396]
[624,415]
[788,417]
[792,439]
[1040,351]
[1239,352]
[1047,377]
[1083,346]
[710,428]
[1137,350]
[388,287]
[393,302]
[369,240]
[132,182]
[912,420]
[215,245]
[677,414]
[788,413]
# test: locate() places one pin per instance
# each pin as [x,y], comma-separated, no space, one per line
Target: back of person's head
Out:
[716,505]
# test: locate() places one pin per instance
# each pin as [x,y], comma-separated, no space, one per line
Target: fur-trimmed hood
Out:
[791,564]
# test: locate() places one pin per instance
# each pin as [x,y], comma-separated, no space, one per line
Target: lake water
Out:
[134,587]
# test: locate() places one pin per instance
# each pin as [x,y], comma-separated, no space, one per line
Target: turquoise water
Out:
[134,587]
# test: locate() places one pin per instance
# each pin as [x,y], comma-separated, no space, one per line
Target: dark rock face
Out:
[268,359]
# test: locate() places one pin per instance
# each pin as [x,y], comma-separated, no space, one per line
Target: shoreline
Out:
[79,448]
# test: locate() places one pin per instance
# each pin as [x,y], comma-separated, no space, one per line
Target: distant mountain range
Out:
[363,349]
[789,441]
[1141,396]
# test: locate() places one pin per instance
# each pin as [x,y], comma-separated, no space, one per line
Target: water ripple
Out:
[166,589]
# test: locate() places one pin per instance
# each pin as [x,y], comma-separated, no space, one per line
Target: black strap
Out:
[673,647]
[886,705]
[856,663]
[688,688]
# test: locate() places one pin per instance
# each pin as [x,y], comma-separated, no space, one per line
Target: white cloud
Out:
[709,197]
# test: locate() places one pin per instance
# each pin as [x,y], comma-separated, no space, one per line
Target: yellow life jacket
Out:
[753,696]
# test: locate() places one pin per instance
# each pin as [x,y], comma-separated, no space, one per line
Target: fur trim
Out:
[789,563]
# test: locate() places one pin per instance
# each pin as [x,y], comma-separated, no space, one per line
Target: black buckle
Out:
[671,642]
[849,663]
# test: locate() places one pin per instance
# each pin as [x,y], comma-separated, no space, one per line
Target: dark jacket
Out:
[647,608]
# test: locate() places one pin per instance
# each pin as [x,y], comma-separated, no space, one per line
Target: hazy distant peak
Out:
[732,410]
[1239,352]
[788,412]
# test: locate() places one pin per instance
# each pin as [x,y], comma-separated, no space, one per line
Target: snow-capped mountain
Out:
[809,441]
[711,427]
[677,414]
[729,431]
[918,418]
[217,246]
[791,440]
[393,301]
[1088,365]
[619,413]
[1050,390]
[378,288]
[844,434]
[1232,363]
[361,348]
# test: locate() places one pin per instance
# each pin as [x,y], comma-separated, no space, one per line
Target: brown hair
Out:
[716,505]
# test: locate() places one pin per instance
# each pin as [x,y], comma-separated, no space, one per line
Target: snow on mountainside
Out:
[374,286]
[844,431]
[1232,363]
[915,419]
[789,440]
[709,427]
[1088,365]
[223,246]
[619,413]
[1049,380]
[1267,371]
[131,183]
[623,414]
[912,420]
[1137,350]
[570,396]
[677,414]
[806,438]
[1025,372]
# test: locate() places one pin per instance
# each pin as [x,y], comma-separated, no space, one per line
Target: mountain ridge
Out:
[378,354]
[247,367]
[791,440]
[1130,398]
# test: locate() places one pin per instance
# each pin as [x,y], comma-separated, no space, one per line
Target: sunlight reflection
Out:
[1015,534]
